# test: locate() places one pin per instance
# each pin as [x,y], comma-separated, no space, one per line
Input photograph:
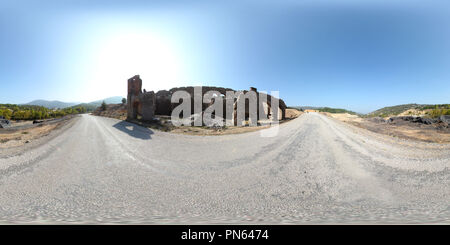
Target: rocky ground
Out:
[406,127]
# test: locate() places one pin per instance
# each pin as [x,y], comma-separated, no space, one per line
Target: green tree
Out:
[124,101]
[6,113]
[103,106]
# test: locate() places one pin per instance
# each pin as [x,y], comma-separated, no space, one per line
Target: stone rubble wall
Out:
[148,104]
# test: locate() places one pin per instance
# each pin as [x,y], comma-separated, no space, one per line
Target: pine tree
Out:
[103,106]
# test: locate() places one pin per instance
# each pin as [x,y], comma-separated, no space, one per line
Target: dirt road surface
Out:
[317,170]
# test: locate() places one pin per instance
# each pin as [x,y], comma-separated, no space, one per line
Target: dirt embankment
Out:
[399,127]
[25,132]
[119,111]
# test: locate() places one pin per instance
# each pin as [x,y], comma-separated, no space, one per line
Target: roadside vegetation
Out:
[438,112]
[432,111]
[31,112]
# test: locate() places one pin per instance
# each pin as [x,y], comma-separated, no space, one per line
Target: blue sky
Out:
[346,54]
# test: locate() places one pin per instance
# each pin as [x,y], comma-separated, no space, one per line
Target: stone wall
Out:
[148,104]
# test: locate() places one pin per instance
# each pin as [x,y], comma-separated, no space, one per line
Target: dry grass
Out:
[292,113]
[414,112]
[21,137]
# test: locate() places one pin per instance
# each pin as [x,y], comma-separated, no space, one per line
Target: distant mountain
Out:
[94,104]
[307,107]
[51,104]
[336,110]
[110,100]
[325,109]
[60,105]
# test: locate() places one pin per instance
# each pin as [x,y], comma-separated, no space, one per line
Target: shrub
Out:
[438,112]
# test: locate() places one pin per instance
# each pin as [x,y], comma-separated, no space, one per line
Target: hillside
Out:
[51,109]
[422,110]
[55,104]
[413,110]
[91,106]
[33,112]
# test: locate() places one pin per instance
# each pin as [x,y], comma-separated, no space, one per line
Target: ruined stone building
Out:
[140,103]
[148,104]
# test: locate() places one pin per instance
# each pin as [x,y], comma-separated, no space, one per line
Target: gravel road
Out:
[317,170]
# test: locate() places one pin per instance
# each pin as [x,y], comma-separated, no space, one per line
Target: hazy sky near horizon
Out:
[345,54]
